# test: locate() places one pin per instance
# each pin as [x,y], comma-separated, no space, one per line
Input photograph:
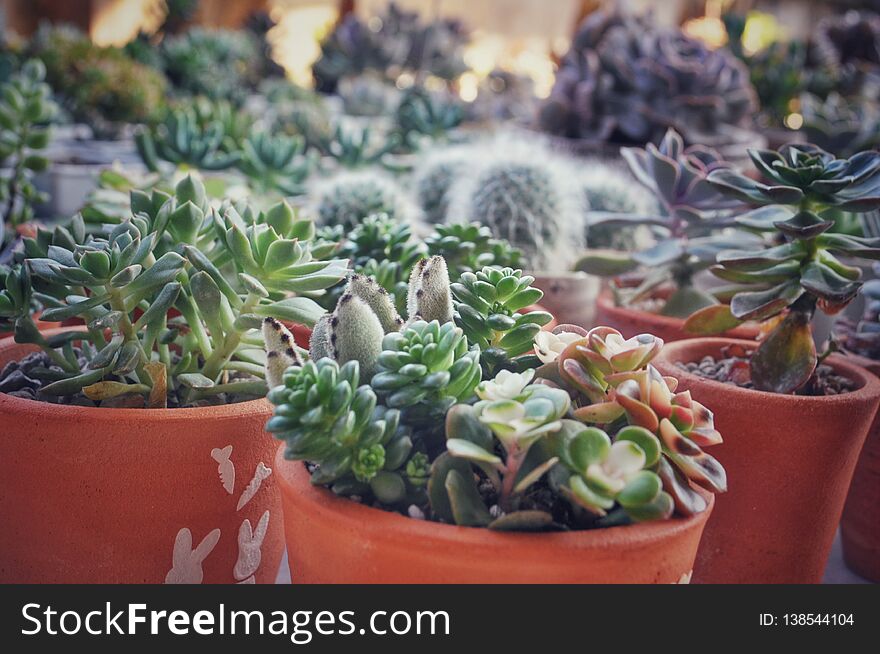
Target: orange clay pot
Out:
[92,495]
[860,524]
[789,462]
[630,322]
[331,539]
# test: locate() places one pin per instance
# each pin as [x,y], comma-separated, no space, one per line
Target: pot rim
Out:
[16,406]
[869,385]
[320,502]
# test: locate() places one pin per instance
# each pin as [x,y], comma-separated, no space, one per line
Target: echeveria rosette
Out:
[692,217]
[497,436]
[488,305]
[841,125]
[805,188]
[425,369]
[424,115]
[614,385]
[275,163]
[327,418]
[183,142]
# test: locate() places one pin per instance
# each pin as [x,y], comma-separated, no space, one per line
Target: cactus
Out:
[434,176]
[525,195]
[429,297]
[281,352]
[350,197]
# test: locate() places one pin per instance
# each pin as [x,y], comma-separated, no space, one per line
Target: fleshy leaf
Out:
[786,359]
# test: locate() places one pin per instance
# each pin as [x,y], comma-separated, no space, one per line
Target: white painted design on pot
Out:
[685,578]
[250,543]
[261,473]
[187,562]
[225,467]
[249,580]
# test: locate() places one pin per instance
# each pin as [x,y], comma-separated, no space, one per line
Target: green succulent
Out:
[487,307]
[422,115]
[806,189]
[276,163]
[173,299]
[182,141]
[237,123]
[327,418]
[25,111]
[354,148]
[424,370]
[468,247]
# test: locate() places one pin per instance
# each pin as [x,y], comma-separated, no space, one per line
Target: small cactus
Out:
[350,197]
[429,296]
[608,189]
[352,332]
[524,194]
[281,351]
[434,177]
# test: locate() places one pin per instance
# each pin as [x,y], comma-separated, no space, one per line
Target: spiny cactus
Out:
[434,176]
[350,197]
[524,195]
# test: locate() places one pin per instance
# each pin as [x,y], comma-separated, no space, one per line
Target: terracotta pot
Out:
[570,297]
[93,495]
[630,322]
[860,524]
[331,539]
[789,461]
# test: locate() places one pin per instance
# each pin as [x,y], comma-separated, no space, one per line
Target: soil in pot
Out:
[789,461]
[103,495]
[860,524]
[632,321]
[332,539]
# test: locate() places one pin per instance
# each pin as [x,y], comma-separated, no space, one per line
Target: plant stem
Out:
[221,355]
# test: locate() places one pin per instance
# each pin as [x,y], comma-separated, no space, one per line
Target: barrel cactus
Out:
[350,197]
[435,175]
[525,195]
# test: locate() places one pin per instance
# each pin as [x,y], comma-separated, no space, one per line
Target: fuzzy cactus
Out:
[281,352]
[434,176]
[524,194]
[429,297]
[350,197]
[325,417]
[488,307]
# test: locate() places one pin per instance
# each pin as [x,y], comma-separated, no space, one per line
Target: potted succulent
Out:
[790,462]
[142,429]
[655,289]
[861,513]
[402,462]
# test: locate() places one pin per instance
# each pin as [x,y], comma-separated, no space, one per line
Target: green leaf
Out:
[715,319]
[467,450]
[685,300]
[300,310]
[825,283]
[589,446]
[660,509]
[760,305]
[463,424]
[468,508]
[786,359]
[606,263]
[437,494]
[649,443]
[523,521]
[642,489]
[194,380]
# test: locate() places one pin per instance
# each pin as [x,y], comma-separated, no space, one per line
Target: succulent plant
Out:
[488,305]
[525,196]
[348,198]
[25,111]
[276,163]
[100,86]
[840,125]
[691,210]
[625,81]
[468,247]
[218,64]
[435,174]
[608,189]
[357,447]
[309,119]
[848,44]
[353,147]
[172,298]
[392,43]
[183,142]
[368,95]
[615,388]
[862,337]
[806,188]
[422,115]
[237,123]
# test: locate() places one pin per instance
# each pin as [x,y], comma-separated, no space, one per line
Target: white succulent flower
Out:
[548,346]
[624,461]
[507,385]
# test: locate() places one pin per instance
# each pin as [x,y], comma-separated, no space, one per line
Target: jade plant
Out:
[25,111]
[399,415]
[692,219]
[172,300]
[805,188]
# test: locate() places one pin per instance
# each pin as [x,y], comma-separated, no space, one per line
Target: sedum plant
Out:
[692,217]
[172,299]
[25,111]
[805,190]
[488,305]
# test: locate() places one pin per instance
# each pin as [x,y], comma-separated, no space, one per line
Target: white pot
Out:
[570,297]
